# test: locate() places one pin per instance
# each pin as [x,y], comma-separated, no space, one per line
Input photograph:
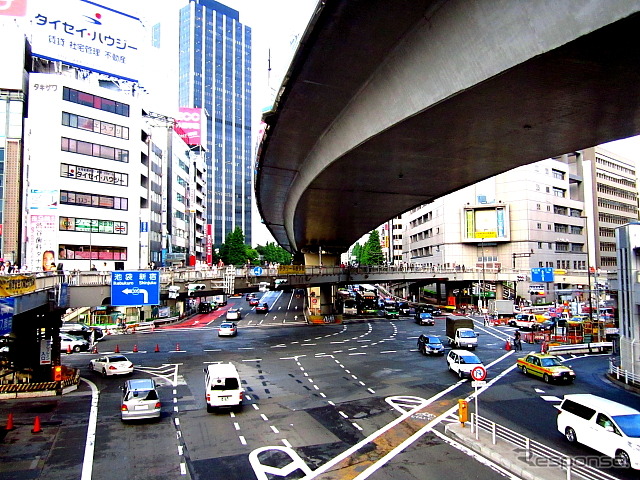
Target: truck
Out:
[220,300]
[460,333]
[501,308]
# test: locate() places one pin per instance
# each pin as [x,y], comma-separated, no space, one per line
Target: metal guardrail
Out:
[581,347]
[574,468]
[623,375]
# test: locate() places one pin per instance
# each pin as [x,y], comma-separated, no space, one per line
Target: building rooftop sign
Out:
[87,35]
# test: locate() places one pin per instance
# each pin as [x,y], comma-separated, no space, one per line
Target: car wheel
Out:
[570,435]
[524,370]
[91,366]
[460,374]
[104,372]
[546,378]
[622,459]
[76,349]
[209,408]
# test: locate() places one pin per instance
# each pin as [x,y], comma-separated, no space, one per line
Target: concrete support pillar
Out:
[499,291]
[327,300]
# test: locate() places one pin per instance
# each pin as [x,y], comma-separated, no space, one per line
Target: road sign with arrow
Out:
[130,289]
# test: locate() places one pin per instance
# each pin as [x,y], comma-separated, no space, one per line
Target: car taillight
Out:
[111,367]
[241,395]
[208,397]
[124,408]
[158,404]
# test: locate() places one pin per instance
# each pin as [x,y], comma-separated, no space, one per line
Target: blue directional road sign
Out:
[257,271]
[7,305]
[131,289]
[542,274]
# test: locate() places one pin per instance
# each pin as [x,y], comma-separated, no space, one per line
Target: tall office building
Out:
[215,75]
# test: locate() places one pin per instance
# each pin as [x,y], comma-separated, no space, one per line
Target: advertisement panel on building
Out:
[189,125]
[88,35]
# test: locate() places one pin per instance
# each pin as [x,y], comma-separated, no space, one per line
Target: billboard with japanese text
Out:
[88,35]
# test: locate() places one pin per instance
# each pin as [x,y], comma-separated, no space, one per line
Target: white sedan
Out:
[227,329]
[111,365]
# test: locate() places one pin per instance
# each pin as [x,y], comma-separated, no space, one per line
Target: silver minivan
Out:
[140,400]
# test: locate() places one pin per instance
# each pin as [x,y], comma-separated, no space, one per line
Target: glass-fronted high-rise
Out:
[215,75]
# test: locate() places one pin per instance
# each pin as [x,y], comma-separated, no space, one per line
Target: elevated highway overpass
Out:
[390,104]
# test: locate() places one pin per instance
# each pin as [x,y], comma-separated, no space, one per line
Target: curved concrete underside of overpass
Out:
[390,104]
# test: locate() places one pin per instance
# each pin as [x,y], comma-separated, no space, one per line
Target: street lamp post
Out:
[484,280]
[586,231]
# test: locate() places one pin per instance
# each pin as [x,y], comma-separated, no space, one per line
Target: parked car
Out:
[262,307]
[140,400]
[227,329]
[111,365]
[430,345]
[234,314]
[254,302]
[546,366]
[82,330]
[608,427]
[73,343]
[423,318]
[461,362]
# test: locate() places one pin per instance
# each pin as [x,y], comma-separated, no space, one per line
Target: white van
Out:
[222,387]
[609,427]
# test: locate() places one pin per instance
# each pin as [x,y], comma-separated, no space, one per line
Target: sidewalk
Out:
[58,443]
[503,453]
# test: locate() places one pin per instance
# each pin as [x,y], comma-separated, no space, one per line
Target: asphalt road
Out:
[343,401]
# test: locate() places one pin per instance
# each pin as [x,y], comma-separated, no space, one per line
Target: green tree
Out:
[372,250]
[273,253]
[357,253]
[234,251]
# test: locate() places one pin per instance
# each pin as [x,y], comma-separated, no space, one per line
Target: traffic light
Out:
[463,411]
[57,373]
[195,287]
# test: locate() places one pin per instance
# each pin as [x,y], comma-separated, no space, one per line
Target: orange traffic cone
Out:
[177,347]
[36,425]
[135,348]
[507,345]
[68,348]
[9,422]
[157,348]
[117,350]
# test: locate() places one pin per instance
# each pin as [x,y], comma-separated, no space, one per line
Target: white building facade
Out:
[82,189]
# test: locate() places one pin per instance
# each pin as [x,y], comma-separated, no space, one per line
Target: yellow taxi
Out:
[548,367]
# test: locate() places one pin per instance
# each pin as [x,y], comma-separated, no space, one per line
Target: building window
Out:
[559,192]
[72,224]
[93,101]
[93,200]
[91,252]
[96,126]
[94,150]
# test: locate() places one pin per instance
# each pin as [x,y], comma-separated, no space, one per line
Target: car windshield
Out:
[469,359]
[226,325]
[118,358]
[434,341]
[425,315]
[467,334]
[629,424]
[550,362]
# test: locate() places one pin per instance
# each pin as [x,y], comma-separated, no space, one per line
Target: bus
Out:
[346,303]
[367,302]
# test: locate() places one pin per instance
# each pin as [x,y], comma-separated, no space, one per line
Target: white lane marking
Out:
[370,390]
[236,425]
[344,415]
[356,425]
[183,468]
[359,353]
[274,429]
[90,443]
[286,443]
[255,406]
[264,417]
[243,441]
